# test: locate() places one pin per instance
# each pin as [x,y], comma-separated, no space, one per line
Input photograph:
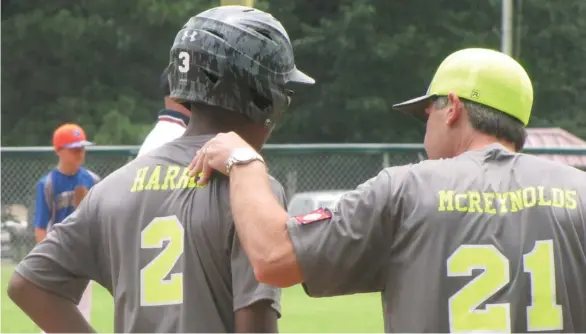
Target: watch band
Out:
[242,157]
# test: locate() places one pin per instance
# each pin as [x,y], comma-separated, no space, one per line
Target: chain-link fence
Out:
[299,168]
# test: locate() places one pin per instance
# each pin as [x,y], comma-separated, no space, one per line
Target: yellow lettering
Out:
[446,200]
[542,201]
[192,183]
[529,197]
[570,199]
[557,195]
[458,198]
[172,172]
[183,180]
[516,200]
[154,180]
[474,198]
[511,201]
[138,184]
[187,182]
[502,198]
[488,199]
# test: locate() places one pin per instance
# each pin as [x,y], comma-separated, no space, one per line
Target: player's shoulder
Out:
[46,179]
[115,179]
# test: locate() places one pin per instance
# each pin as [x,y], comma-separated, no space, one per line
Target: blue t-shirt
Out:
[55,192]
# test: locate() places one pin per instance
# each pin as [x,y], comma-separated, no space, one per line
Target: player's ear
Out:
[455,107]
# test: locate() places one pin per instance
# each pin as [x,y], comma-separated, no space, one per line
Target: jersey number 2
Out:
[465,316]
[155,288]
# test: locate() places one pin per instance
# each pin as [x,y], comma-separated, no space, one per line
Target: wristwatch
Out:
[242,156]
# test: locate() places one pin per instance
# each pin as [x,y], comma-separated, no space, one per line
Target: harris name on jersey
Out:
[505,202]
[153,178]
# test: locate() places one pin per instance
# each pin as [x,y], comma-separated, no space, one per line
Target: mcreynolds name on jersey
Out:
[152,178]
[505,202]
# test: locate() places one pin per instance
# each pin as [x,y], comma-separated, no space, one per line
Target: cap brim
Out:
[415,107]
[299,77]
[78,144]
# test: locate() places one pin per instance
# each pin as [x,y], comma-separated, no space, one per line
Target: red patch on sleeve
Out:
[314,216]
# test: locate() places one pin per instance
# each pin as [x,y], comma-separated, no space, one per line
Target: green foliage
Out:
[98,63]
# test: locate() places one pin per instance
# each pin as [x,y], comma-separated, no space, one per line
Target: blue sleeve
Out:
[93,178]
[42,214]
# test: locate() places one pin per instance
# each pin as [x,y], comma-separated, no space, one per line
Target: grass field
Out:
[358,313]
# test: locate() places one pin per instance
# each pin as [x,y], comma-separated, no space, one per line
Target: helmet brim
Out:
[416,107]
[301,78]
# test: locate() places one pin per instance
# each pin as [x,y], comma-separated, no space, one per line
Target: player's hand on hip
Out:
[214,155]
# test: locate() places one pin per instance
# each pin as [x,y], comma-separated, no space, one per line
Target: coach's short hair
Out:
[491,122]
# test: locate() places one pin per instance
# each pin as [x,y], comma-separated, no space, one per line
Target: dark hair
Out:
[492,122]
[164,82]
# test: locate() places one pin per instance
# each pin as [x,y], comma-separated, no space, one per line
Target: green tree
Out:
[88,62]
[98,63]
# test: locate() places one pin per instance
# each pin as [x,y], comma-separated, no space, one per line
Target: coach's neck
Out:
[476,140]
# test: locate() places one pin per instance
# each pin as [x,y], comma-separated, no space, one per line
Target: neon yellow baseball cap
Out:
[484,76]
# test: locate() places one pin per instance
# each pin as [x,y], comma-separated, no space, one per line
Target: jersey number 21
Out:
[465,316]
[155,288]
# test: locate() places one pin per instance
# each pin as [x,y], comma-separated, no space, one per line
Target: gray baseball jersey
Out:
[164,247]
[488,241]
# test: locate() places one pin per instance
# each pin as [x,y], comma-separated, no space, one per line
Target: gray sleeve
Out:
[64,262]
[345,250]
[246,289]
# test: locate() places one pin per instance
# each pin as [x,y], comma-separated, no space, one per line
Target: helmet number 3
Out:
[184,58]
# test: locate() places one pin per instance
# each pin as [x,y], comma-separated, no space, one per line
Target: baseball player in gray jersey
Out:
[163,245]
[481,238]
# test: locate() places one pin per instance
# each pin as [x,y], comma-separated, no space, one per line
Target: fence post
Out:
[386,160]
[291,183]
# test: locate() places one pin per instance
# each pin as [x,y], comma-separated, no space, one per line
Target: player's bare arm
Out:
[259,317]
[49,282]
[50,312]
[40,234]
[260,221]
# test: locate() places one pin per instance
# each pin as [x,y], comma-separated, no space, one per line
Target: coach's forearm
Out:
[261,224]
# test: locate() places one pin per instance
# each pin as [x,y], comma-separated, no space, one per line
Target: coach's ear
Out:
[454,110]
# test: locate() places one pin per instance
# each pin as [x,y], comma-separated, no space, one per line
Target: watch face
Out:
[243,154]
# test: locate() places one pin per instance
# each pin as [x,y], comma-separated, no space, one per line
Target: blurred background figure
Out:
[56,190]
[171,123]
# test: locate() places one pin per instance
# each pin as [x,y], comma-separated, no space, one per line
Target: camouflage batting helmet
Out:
[236,58]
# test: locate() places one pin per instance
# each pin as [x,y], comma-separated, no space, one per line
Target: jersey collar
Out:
[173,116]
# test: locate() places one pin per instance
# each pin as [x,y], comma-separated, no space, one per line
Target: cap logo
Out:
[76,133]
[189,34]
[475,94]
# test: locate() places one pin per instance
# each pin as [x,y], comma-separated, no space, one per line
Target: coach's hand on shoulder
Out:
[214,155]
